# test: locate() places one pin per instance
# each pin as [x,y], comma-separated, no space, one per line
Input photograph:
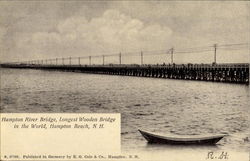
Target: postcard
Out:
[124,80]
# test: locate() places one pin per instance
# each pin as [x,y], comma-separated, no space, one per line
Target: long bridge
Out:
[222,72]
[231,73]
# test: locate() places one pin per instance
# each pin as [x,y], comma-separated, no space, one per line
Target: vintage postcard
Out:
[109,80]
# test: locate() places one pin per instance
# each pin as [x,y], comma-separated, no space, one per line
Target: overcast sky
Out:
[50,29]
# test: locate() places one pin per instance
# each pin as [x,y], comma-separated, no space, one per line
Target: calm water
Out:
[159,105]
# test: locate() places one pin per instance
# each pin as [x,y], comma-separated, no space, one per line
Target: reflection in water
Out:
[159,105]
[163,147]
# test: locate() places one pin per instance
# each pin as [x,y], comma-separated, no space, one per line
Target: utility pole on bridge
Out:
[141,58]
[215,50]
[172,55]
[103,59]
[120,58]
[89,60]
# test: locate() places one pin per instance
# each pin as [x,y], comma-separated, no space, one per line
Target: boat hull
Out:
[153,138]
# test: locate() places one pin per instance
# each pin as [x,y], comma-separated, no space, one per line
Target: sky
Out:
[31,30]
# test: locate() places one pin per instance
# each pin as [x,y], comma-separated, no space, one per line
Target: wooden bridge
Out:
[230,73]
[227,72]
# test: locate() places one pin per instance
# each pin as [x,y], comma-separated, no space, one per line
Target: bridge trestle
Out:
[230,73]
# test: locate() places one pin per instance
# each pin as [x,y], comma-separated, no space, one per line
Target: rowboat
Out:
[198,140]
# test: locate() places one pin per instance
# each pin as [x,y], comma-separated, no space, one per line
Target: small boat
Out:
[197,140]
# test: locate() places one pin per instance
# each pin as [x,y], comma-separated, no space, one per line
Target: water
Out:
[174,107]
